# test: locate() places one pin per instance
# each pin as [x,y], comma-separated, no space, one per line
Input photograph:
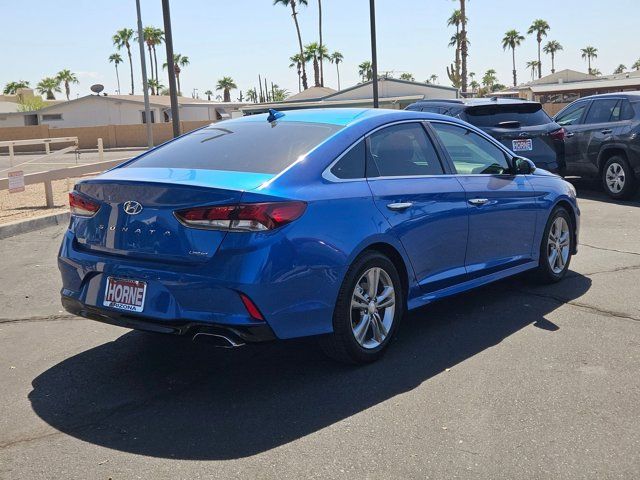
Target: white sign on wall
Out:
[16,181]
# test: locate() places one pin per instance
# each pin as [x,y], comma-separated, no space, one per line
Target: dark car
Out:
[520,125]
[603,140]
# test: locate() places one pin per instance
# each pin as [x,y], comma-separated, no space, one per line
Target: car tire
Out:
[358,327]
[618,179]
[556,250]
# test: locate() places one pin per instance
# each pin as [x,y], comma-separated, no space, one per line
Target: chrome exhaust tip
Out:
[217,340]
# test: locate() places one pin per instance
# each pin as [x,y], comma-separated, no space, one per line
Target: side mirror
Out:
[523,166]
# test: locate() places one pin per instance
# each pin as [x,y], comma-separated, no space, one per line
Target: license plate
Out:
[522,145]
[125,294]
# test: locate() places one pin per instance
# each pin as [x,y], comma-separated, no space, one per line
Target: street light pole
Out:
[173,92]
[145,86]
[374,59]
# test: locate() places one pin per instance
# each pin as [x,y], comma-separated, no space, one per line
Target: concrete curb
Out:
[24,226]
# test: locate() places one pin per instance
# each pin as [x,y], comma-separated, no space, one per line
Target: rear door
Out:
[424,204]
[571,119]
[599,125]
[502,206]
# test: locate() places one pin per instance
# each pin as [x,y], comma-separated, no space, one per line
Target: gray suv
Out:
[603,140]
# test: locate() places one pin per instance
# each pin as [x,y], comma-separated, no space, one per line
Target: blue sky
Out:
[247,37]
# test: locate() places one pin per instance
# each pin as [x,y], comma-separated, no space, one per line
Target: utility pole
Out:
[145,86]
[173,91]
[374,59]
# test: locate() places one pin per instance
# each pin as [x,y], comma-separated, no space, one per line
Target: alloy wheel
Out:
[615,177]
[372,308]
[558,245]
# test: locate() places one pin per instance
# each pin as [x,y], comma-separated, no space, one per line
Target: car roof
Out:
[343,116]
[472,102]
[634,94]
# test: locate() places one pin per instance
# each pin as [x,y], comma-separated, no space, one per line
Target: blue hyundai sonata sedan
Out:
[328,222]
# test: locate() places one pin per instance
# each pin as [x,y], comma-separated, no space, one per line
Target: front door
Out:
[502,206]
[424,204]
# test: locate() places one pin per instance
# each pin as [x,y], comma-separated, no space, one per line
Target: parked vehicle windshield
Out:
[258,147]
[528,114]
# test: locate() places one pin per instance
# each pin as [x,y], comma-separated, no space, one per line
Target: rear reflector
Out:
[251,308]
[559,134]
[244,217]
[82,206]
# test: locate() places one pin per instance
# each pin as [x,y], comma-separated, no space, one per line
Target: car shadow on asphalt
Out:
[162,397]
[590,190]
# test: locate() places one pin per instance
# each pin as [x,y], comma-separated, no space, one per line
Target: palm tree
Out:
[313,53]
[464,44]
[156,39]
[296,61]
[226,84]
[116,59]
[151,37]
[533,65]
[512,39]
[408,77]
[620,69]
[589,53]
[208,93]
[489,79]
[433,78]
[294,14]
[636,65]
[540,28]
[66,77]
[252,95]
[278,94]
[456,40]
[12,88]
[322,47]
[123,38]
[337,58]
[551,48]
[155,86]
[47,86]
[474,86]
[596,72]
[179,62]
[365,71]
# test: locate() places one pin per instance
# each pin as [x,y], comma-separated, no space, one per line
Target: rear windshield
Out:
[528,114]
[257,147]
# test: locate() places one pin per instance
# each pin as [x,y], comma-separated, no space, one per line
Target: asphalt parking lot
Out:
[511,381]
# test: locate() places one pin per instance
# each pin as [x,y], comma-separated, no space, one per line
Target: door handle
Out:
[400,206]
[606,131]
[478,202]
[569,134]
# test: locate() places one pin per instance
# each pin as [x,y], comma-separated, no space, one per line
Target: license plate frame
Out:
[522,145]
[125,294]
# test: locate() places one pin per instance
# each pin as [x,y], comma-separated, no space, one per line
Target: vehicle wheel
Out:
[618,179]
[368,311]
[556,247]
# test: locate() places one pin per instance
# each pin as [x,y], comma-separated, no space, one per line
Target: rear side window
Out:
[257,147]
[528,114]
[403,150]
[572,114]
[623,111]
[351,165]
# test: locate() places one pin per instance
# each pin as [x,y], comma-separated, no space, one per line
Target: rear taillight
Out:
[244,217]
[251,308]
[82,206]
[559,134]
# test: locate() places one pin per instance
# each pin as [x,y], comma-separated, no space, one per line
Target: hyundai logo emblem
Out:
[132,207]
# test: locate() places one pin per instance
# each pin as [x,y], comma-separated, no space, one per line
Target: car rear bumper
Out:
[235,335]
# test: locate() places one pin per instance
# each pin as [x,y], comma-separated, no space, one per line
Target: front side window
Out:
[601,111]
[571,115]
[470,152]
[241,146]
[402,150]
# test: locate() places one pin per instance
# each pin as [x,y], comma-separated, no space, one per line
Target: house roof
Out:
[8,107]
[313,93]
[263,107]
[599,84]
[381,81]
